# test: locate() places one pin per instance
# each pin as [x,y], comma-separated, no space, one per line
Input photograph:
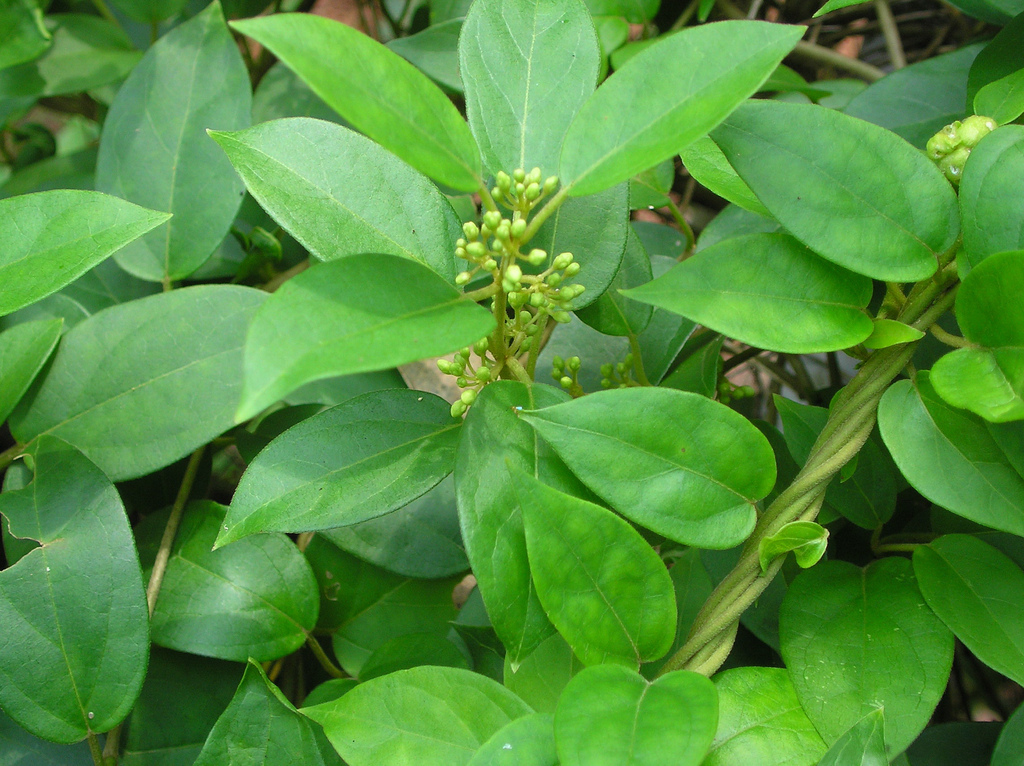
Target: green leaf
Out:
[969,583]
[805,539]
[23,31]
[22,749]
[422,715]
[412,650]
[133,386]
[681,482]
[855,639]
[338,193]
[528,66]
[760,721]
[634,11]
[541,676]
[377,91]
[614,314]
[154,151]
[69,171]
[611,716]
[601,584]
[262,728]
[955,743]
[373,312]
[766,290]
[24,349]
[995,86]
[52,238]
[1010,745]
[255,598]
[87,52]
[492,528]
[863,744]
[889,332]
[705,162]
[1002,100]
[834,5]
[650,188]
[851,191]
[75,634]
[952,457]
[281,93]
[993,178]
[150,11]
[988,381]
[527,741]
[359,460]
[638,118]
[434,51]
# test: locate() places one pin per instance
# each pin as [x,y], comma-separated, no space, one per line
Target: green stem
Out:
[8,456]
[638,361]
[94,749]
[683,224]
[482,293]
[822,55]
[486,198]
[321,656]
[950,339]
[544,213]
[518,371]
[541,340]
[891,33]
[105,12]
[896,548]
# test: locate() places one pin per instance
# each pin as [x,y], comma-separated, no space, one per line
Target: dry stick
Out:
[891,33]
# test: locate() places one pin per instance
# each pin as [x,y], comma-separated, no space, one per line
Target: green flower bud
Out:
[572,269]
[495,192]
[745,392]
[952,166]
[532,329]
[561,261]
[525,317]
[556,374]
[628,360]
[460,242]
[565,382]
[558,363]
[532,192]
[519,175]
[517,299]
[476,249]
[459,409]
[462,381]
[526,345]
[533,177]
[471,230]
[444,366]
[481,346]
[514,273]
[562,317]
[520,190]
[975,128]
[465,352]
[550,184]
[537,300]
[536,257]
[483,374]
[554,279]
[508,286]
[606,370]
[574,363]
[492,219]
[485,231]
[461,252]
[621,368]
[503,180]
[462,278]
[605,383]
[468,397]
[939,145]
[503,232]
[490,264]
[518,228]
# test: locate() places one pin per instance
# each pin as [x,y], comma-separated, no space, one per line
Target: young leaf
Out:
[855,639]
[969,583]
[805,539]
[695,483]
[527,66]
[53,237]
[889,332]
[338,193]
[638,118]
[610,715]
[852,192]
[601,584]
[769,291]
[144,383]
[373,311]
[995,86]
[359,460]
[527,741]
[154,150]
[25,35]
[75,634]
[706,162]
[539,679]
[24,349]
[422,715]
[377,91]
[863,744]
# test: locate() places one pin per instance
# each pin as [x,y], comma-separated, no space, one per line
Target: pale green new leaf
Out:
[22,29]
[806,540]
[862,745]
[24,349]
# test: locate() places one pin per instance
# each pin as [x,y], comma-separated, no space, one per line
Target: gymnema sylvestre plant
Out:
[233,534]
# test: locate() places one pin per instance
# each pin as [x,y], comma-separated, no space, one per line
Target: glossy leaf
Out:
[527,741]
[373,312]
[261,727]
[613,313]
[855,639]
[635,120]
[150,11]
[852,192]
[24,349]
[22,749]
[359,460]
[255,598]
[24,33]
[952,457]
[377,91]
[281,94]
[681,482]
[601,584]
[862,745]
[806,540]
[707,163]
[889,332]
[338,193]
[539,679]
[154,150]
[527,66]
[70,670]
[611,716]
[760,721]
[766,290]
[996,83]
[992,179]
[434,51]
[131,386]
[412,650]
[955,743]
[969,583]
[422,715]
[1010,745]
[52,238]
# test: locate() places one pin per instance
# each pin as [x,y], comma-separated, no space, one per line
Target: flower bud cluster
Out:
[618,375]
[566,373]
[951,146]
[727,392]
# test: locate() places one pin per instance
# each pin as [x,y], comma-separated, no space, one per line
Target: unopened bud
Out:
[503,181]
[537,300]
[572,269]
[519,175]
[483,374]
[562,317]
[492,219]
[520,190]
[526,345]
[565,382]
[476,249]
[513,272]
[462,381]
[458,409]
[550,184]
[554,279]
[503,232]
[517,299]
[444,366]
[975,128]
[518,228]
[471,230]
[533,177]
[562,260]
[460,252]
[490,264]
[462,278]
[558,363]
[468,397]
[532,191]
[481,346]
[606,370]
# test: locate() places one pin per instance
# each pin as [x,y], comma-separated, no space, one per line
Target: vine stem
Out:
[321,656]
[9,455]
[94,749]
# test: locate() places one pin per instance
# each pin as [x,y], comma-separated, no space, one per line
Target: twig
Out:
[891,32]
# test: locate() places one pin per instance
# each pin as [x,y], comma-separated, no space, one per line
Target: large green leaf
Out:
[527,67]
[670,94]
[23,31]
[695,482]
[281,93]
[493,439]
[539,679]
[338,193]
[262,728]
[20,748]
[863,744]
[612,716]
[150,12]
[424,715]
[24,349]
[53,237]
[527,741]
[855,639]
[769,291]
[705,162]
[760,721]
[255,598]
[613,313]
[969,584]
[144,383]
[992,181]
[851,191]
[75,640]
[952,457]
[601,584]
[373,312]
[379,92]
[154,150]
[996,84]
[955,743]
[359,460]
[434,51]
[1010,746]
